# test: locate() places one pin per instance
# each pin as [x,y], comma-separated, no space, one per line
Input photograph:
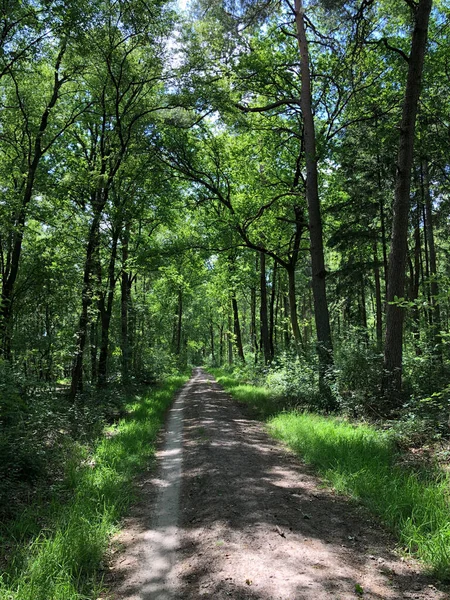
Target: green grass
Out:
[362,462]
[262,402]
[62,561]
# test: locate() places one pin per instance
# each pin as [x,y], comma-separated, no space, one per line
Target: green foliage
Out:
[294,380]
[356,375]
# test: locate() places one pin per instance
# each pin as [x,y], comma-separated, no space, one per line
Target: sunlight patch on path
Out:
[154,551]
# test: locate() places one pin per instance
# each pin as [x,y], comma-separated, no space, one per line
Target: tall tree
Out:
[392,378]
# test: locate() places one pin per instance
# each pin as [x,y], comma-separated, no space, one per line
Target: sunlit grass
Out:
[363,462]
[62,561]
[262,401]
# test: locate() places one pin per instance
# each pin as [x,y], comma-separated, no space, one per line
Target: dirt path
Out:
[234,515]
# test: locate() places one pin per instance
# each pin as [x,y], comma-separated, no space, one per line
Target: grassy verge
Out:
[262,402]
[62,561]
[362,461]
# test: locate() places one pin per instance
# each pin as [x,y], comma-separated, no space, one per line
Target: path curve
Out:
[233,514]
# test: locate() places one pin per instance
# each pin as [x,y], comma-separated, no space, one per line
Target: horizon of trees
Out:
[258,185]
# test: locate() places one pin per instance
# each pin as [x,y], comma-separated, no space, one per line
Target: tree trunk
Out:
[362,288]
[211,337]
[179,323]
[415,270]
[434,286]
[237,328]
[393,359]
[273,294]
[93,341]
[106,312]
[378,304]
[293,310]
[265,342]
[220,345]
[286,327]
[86,302]
[253,336]
[321,315]
[230,341]
[125,293]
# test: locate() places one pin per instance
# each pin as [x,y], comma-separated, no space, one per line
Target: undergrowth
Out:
[262,401]
[61,561]
[362,461]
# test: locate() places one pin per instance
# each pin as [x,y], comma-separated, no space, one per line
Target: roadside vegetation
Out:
[371,463]
[52,547]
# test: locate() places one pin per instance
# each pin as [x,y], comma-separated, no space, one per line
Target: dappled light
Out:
[254,523]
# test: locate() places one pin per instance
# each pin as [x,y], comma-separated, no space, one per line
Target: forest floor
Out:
[231,513]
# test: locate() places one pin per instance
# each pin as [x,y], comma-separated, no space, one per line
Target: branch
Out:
[260,109]
[384,41]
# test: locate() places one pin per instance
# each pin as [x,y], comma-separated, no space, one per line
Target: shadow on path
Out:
[255,524]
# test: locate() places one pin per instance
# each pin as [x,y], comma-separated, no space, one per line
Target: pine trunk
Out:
[321,315]
[393,348]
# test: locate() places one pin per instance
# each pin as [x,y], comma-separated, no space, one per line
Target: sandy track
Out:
[232,514]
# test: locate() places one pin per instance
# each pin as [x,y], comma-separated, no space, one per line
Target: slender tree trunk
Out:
[393,348]
[211,337]
[362,289]
[378,304]
[125,293]
[106,313]
[86,302]
[287,319]
[321,315]
[230,341]
[265,342]
[427,289]
[293,310]
[221,345]
[415,270]
[434,286]
[93,335]
[253,336]
[273,294]
[179,323]
[277,320]
[237,328]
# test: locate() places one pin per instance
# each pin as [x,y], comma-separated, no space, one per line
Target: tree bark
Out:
[179,323]
[230,341]
[86,302]
[321,315]
[263,318]
[287,318]
[125,295]
[434,286]
[237,327]
[273,295]
[393,357]
[105,308]
[293,310]
[378,304]
[211,337]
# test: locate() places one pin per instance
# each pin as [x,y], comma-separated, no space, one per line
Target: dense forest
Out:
[261,186]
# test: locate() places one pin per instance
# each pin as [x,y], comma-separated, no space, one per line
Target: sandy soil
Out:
[233,514]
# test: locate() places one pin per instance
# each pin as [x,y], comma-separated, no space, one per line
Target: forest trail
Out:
[233,514]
